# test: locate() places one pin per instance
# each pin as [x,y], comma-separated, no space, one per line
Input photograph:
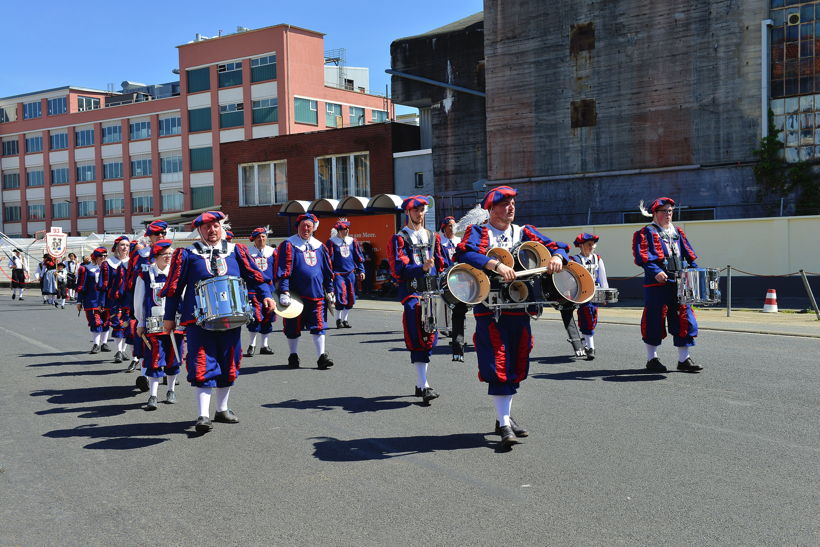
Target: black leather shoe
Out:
[105,347]
[132,366]
[293,360]
[590,353]
[507,436]
[226,417]
[203,424]
[419,391]
[249,353]
[152,403]
[95,349]
[13,296]
[171,397]
[689,366]
[346,325]
[428,394]
[655,365]
[339,324]
[324,362]
[142,383]
[125,356]
[118,357]
[266,351]
[517,429]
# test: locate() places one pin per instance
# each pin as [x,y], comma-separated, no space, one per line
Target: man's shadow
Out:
[382,448]
[86,394]
[607,375]
[123,436]
[351,404]
[97,372]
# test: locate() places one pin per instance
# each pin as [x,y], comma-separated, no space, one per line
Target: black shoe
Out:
[13,296]
[203,424]
[118,357]
[339,324]
[132,366]
[458,352]
[590,353]
[249,353]
[419,391]
[293,360]
[654,365]
[152,403]
[428,394]
[95,349]
[517,429]
[21,298]
[346,325]
[56,304]
[142,383]
[105,347]
[124,356]
[62,306]
[226,417]
[266,351]
[689,366]
[507,436]
[171,397]
[324,362]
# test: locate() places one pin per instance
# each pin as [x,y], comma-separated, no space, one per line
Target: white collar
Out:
[339,240]
[303,245]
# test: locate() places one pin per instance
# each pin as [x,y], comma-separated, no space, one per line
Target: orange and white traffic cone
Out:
[770,304]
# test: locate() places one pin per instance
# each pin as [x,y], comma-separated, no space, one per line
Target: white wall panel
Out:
[34,160]
[232,135]
[232,95]
[170,143]
[264,91]
[202,179]
[60,156]
[200,139]
[111,150]
[200,100]
[84,154]
[139,147]
[271,130]
[113,187]
[141,185]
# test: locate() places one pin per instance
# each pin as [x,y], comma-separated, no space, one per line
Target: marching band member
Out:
[89,298]
[663,251]
[303,265]
[415,257]
[110,283]
[449,244]
[40,275]
[262,322]
[594,264]
[71,266]
[213,358]
[19,267]
[161,359]
[347,260]
[60,278]
[503,342]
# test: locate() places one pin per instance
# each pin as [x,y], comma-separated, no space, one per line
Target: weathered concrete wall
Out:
[672,84]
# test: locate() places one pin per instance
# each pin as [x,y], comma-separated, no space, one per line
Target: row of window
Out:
[230,74]
[233,115]
[307,111]
[141,166]
[58,105]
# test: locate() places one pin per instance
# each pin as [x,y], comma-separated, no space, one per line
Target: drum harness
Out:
[213,253]
[674,263]
[421,250]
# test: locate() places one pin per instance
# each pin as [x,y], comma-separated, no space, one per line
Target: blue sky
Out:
[52,44]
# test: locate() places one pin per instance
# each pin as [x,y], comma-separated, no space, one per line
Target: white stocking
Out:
[588,341]
[503,407]
[319,342]
[651,352]
[293,345]
[153,386]
[97,336]
[253,339]
[421,375]
[683,354]
[264,340]
[222,394]
[203,395]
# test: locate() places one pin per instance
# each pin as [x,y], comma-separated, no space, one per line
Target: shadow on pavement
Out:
[245,370]
[335,450]
[69,363]
[347,332]
[102,411]
[626,375]
[124,436]
[86,394]
[81,373]
[354,405]
[555,359]
[53,354]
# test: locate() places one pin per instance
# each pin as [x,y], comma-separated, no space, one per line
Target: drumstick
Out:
[174,345]
[145,339]
[532,271]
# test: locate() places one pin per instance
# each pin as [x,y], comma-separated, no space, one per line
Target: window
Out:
[36,211]
[141,166]
[114,204]
[419,180]
[87,103]
[231,115]
[201,159]
[112,169]
[59,174]
[84,137]
[263,68]
[32,110]
[57,106]
[86,172]
[199,119]
[333,115]
[11,180]
[58,141]
[172,200]
[139,130]
[11,213]
[349,84]
[202,196]
[111,133]
[34,144]
[379,116]
[199,79]
[339,176]
[35,178]
[229,74]
[8,114]
[170,126]
[60,209]
[170,167]
[357,116]
[263,183]
[265,110]
[10,147]
[86,207]
[142,203]
[306,111]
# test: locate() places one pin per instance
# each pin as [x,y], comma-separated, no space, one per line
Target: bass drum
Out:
[464,284]
[525,255]
[573,285]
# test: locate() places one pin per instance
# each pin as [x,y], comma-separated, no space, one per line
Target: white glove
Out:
[284,299]
[331,298]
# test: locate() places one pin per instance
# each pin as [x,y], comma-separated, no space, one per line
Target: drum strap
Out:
[421,250]
[213,252]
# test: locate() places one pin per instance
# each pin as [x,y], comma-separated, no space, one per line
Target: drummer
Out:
[213,357]
[663,251]
[347,260]
[161,359]
[503,342]
[303,266]
[415,259]
[588,313]
[262,321]
[449,242]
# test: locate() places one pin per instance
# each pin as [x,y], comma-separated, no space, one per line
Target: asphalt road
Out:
[347,456]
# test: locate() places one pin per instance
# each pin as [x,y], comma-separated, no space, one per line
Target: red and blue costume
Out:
[88,295]
[265,259]
[160,359]
[347,260]
[111,284]
[594,264]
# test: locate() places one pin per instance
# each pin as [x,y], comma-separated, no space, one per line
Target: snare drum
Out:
[222,303]
[604,296]
[572,285]
[698,286]
[463,283]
